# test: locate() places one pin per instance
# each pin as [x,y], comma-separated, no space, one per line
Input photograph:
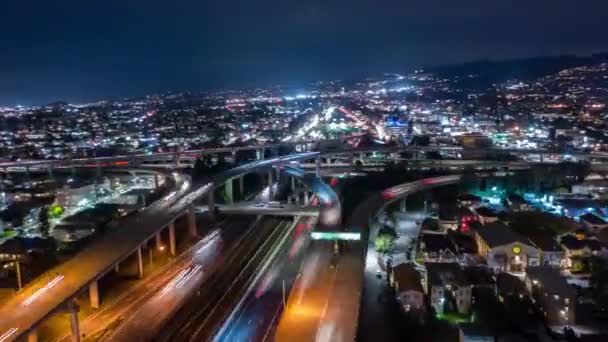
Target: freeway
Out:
[203,315]
[144,319]
[330,210]
[131,160]
[52,291]
[260,208]
[56,288]
[257,314]
[324,303]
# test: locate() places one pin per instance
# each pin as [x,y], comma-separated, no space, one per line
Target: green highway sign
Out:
[336,236]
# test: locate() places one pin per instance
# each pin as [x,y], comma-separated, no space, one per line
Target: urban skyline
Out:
[318,171]
[78,52]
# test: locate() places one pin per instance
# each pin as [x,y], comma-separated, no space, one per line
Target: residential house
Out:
[504,249]
[406,282]
[552,294]
[593,222]
[485,215]
[551,252]
[437,248]
[579,246]
[448,288]
[517,203]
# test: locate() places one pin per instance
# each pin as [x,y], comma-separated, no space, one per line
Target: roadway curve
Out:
[325,301]
[52,291]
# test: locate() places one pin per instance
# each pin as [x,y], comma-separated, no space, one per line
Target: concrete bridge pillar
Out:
[172,238]
[98,171]
[49,169]
[178,160]
[228,192]
[402,205]
[241,187]
[32,336]
[94,294]
[74,325]
[156,181]
[259,154]
[318,167]
[140,264]
[270,186]
[159,241]
[192,222]
[211,204]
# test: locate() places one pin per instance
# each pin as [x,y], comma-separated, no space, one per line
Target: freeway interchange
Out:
[191,300]
[56,290]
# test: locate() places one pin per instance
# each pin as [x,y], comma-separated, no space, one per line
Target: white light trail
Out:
[10,332]
[42,290]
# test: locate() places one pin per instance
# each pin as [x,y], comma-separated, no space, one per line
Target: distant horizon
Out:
[245,86]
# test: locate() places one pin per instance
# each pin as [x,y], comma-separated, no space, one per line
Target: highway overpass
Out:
[324,302]
[176,159]
[259,208]
[56,290]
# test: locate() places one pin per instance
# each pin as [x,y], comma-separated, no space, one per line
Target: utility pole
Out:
[18,270]
[284,300]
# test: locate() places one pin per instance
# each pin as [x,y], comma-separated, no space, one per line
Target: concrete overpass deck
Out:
[57,288]
[257,208]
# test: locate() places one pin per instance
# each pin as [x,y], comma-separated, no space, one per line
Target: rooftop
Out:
[550,279]
[442,274]
[498,234]
[406,278]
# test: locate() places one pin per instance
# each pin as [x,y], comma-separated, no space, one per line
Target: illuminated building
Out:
[448,287]
[504,249]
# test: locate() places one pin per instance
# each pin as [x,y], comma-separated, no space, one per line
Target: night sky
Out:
[79,50]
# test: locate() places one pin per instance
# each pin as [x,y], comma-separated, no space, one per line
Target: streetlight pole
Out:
[284,301]
[18,270]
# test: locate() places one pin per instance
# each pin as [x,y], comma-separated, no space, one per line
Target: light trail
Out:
[8,334]
[42,290]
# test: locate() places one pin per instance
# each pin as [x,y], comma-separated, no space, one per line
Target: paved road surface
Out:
[102,321]
[256,316]
[202,317]
[50,291]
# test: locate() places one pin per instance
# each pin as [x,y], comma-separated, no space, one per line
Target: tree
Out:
[384,242]
[43,218]
[599,281]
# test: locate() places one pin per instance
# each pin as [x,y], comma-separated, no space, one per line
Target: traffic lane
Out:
[238,286]
[257,315]
[202,262]
[185,321]
[339,322]
[309,296]
[112,311]
[138,293]
[377,320]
